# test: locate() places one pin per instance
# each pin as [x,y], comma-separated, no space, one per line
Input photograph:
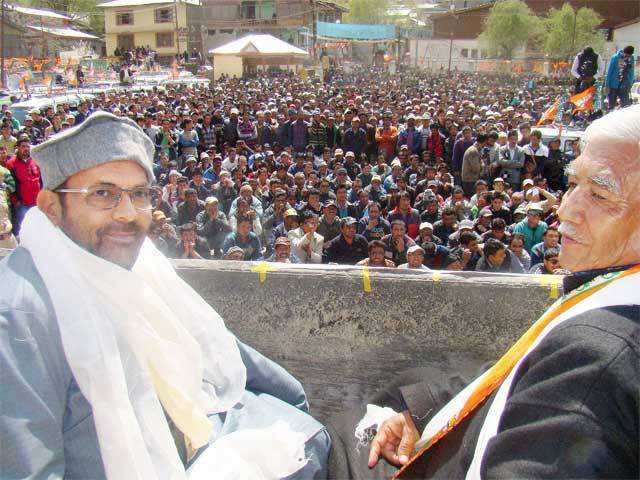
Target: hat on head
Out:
[528,181]
[498,179]
[330,203]
[5,226]
[338,151]
[158,215]
[282,241]
[347,221]
[424,225]
[376,178]
[535,208]
[211,201]
[111,138]
[290,212]
[415,248]
[465,224]
[520,210]
[235,249]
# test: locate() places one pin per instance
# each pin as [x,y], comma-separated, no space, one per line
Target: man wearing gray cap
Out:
[112,366]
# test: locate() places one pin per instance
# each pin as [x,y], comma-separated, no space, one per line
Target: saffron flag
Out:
[583,101]
[550,114]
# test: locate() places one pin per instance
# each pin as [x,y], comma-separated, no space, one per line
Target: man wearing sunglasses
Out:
[112,366]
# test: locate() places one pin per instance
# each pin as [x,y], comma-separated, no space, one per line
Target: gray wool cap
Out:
[101,138]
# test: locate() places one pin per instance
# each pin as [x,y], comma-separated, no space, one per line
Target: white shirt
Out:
[407,267]
[228,165]
[299,240]
[541,151]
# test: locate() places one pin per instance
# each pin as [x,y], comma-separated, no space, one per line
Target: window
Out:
[464,53]
[253,10]
[211,32]
[164,15]
[474,54]
[225,31]
[124,18]
[125,42]
[164,39]
[248,10]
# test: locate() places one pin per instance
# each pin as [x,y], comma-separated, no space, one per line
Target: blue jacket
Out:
[416,143]
[612,80]
[46,424]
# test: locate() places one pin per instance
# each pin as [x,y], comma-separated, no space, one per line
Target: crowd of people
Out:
[443,171]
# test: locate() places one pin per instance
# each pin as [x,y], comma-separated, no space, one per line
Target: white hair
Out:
[621,124]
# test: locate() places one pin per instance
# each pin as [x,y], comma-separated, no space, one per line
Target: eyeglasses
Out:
[106,197]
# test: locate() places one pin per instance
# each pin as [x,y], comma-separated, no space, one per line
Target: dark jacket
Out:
[354,141]
[339,251]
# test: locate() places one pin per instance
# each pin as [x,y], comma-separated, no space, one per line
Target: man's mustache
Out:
[120,228]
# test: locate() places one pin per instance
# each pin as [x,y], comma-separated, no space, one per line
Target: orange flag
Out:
[48,81]
[583,101]
[550,113]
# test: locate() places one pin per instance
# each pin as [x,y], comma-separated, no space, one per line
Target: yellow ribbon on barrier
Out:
[366,279]
[435,276]
[553,282]
[262,269]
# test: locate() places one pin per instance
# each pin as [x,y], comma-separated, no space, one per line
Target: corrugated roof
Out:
[258,44]
[63,32]
[36,12]
[140,3]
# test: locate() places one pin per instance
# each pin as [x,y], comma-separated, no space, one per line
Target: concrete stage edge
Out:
[346,331]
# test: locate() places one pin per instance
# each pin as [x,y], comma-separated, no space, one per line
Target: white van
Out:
[566,139]
[635,92]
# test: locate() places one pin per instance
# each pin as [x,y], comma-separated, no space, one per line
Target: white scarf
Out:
[137,341]
[623,291]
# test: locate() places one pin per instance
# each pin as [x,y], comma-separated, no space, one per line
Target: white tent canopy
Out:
[259,46]
[244,55]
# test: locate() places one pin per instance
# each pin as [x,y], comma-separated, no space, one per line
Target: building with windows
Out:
[160,25]
[291,20]
[38,33]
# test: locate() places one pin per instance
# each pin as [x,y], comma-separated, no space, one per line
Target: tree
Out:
[509,26]
[85,11]
[367,11]
[568,30]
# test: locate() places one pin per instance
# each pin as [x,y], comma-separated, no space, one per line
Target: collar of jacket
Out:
[573,281]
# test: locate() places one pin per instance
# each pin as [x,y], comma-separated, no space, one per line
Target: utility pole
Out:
[314,27]
[175,17]
[452,9]
[2,73]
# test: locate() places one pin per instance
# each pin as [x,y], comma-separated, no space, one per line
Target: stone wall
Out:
[345,332]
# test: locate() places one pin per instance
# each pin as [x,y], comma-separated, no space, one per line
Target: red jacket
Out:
[435,144]
[28,181]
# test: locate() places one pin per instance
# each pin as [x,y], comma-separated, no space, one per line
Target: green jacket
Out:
[6,179]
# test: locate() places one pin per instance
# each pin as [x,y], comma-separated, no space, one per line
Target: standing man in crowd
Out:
[26,173]
[587,67]
[620,77]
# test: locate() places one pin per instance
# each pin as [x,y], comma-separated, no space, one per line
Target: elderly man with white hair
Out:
[563,402]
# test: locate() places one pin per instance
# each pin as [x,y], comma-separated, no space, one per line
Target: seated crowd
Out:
[409,175]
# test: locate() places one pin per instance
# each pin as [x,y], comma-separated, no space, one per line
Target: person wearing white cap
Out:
[112,366]
[415,257]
